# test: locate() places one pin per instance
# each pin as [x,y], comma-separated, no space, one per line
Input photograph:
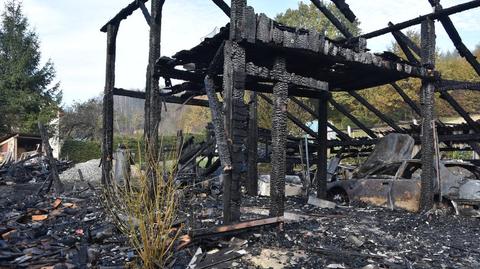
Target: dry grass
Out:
[147,219]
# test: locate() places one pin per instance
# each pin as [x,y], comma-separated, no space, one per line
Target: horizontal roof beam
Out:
[168,99]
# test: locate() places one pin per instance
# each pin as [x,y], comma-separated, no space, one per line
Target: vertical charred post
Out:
[427,107]
[252,174]
[107,121]
[153,105]
[279,139]
[236,112]
[322,146]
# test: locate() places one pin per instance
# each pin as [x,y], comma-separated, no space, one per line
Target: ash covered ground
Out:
[79,234]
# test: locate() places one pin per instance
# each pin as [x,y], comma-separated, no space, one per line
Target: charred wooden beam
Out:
[428,118]
[252,172]
[145,12]
[444,85]
[322,148]
[223,6]
[224,147]
[345,112]
[406,40]
[123,14]
[219,126]
[331,17]
[400,38]
[292,118]
[107,121]
[167,99]
[236,114]
[341,135]
[456,39]
[279,139]
[218,116]
[461,111]
[179,74]
[377,112]
[407,99]
[433,16]
[345,9]
[291,78]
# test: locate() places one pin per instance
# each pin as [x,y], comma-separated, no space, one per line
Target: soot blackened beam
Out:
[428,110]
[407,99]
[443,85]
[223,6]
[345,112]
[377,112]
[331,17]
[144,9]
[107,122]
[418,20]
[292,118]
[279,142]
[123,14]
[236,113]
[459,109]
[345,9]
[456,39]
[406,40]
[252,173]
[405,48]
[342,135]
[322,147]
[167,99]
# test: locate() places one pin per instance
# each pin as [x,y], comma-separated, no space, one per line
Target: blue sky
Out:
[70,36]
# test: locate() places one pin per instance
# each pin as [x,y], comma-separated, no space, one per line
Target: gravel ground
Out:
[90,170]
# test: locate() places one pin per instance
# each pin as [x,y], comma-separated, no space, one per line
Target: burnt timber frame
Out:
[245,56]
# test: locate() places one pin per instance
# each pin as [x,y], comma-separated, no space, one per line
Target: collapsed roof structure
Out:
[255,53]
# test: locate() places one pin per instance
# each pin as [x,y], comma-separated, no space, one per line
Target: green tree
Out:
[308,16]
[81,121]
[26,90]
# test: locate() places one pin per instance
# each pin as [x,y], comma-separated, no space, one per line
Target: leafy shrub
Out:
[80,151]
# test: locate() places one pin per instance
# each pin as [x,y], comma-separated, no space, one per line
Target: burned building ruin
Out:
[256,54]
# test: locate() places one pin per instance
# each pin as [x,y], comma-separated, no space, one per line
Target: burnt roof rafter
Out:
[455,37]
[331,17]
[433,16]
[345,9]
[223,6]
[123,14]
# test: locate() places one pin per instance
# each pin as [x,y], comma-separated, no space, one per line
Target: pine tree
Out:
[27,91]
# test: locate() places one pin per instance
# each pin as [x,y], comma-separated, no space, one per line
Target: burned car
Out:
[397,185]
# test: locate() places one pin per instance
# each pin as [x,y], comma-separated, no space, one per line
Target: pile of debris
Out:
[33,166]
[70,231]
[326,235]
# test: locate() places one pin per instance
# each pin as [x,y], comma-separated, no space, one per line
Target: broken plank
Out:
[237,227]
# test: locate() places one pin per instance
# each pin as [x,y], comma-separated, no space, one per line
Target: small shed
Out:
[18,143]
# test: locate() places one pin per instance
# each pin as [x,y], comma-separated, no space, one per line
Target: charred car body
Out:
[390,178]
[397,185]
